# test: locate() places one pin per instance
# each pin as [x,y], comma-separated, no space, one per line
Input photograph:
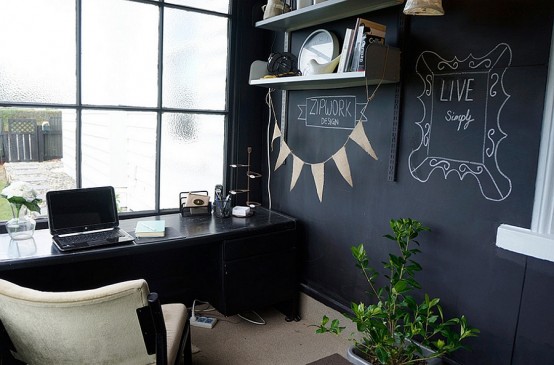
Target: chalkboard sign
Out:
[460,129]
[339,112]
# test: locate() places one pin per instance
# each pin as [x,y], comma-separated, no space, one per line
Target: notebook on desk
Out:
[84,218]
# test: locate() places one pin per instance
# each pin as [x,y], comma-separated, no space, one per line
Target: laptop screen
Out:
[81,210]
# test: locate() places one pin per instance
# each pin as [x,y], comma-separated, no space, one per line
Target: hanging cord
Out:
[261,321]
[269,103]
[370,97]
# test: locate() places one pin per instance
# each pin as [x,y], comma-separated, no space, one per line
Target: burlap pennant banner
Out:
[358,136]
[284,152]
[318,170]
[341,160]
[297,165]
[276,134]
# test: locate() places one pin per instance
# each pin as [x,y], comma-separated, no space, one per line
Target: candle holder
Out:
[251,175]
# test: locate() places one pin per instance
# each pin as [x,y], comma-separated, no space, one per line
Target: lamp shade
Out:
[423,7]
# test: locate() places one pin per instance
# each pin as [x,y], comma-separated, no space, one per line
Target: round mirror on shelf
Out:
[321,46]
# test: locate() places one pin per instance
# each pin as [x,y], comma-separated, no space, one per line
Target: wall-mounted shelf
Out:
[324,12]
[383,63]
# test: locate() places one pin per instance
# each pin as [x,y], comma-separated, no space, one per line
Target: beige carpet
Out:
[234,341]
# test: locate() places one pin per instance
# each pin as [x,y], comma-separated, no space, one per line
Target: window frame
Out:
[159,109]
[538,241]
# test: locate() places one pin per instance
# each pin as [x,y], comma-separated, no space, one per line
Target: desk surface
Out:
[180,232]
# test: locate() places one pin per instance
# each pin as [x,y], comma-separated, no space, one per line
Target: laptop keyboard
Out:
[89,239]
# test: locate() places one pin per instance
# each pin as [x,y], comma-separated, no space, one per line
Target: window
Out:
[128,93]
[538,241]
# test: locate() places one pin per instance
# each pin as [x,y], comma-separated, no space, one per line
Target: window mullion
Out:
[78,101]
[157,182]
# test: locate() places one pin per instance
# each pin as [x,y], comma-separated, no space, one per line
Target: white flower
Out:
[20,188]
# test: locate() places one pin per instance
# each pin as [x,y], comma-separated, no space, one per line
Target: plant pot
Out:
[354,358]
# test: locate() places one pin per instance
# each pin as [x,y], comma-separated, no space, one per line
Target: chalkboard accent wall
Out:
[473,88]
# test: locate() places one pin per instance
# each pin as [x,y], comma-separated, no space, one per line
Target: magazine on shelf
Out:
[344,53]
[366,32]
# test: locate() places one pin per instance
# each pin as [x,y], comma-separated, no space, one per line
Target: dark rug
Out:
[334,359]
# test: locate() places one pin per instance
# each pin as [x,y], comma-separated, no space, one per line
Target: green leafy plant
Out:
[393,328]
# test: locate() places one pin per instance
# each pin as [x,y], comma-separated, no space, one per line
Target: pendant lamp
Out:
[423,7]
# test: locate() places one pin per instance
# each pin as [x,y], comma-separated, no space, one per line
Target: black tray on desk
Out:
[193,211]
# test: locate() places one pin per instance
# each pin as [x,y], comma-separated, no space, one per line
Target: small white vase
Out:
[22,227]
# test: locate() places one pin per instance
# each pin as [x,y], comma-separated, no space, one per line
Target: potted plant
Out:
[395,329]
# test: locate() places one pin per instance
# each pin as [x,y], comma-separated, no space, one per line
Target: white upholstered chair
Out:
[121,323]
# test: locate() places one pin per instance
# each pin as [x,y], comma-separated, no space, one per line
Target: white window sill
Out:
[526,242]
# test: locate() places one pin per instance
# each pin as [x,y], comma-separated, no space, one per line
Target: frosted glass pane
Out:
[120,53]
[214,5]
[195,60]
[119,149]
[37,43]
[192,155]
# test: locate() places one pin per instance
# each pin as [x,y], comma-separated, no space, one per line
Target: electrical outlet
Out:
[201,321]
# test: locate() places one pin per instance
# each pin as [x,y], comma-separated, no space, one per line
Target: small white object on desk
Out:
[240,211]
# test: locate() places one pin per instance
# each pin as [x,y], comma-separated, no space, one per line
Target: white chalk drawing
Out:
[462,102]
[346,111]
[337,112]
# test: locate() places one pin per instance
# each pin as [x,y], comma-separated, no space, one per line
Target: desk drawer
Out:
[258,282]
[258,245]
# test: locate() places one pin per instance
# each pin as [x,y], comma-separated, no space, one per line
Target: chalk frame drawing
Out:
[494,184]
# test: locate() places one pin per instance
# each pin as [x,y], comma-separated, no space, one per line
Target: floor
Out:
[234,340]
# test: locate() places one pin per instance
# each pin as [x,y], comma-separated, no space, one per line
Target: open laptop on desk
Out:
[84,218]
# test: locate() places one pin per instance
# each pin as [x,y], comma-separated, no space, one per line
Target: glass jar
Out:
[22,225]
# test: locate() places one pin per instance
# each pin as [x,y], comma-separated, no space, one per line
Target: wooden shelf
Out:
[324,81]
[324,12]
[385,64]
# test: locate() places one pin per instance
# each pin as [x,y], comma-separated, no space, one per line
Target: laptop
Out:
[84,218]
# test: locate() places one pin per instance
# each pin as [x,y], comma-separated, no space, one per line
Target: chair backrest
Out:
[98,326]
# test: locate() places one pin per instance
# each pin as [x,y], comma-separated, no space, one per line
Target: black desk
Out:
[236,264]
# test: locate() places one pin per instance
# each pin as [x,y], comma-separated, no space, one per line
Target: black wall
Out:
[507,296]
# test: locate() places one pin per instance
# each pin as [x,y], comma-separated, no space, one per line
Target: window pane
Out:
[214,5]
[37,146]
[120,53]
[119,149]
[192,155]
[38,51]
[195,60]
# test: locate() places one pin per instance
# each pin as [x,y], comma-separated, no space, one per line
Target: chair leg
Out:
[186,355]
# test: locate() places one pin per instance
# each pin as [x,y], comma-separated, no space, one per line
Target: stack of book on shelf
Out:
[356,41]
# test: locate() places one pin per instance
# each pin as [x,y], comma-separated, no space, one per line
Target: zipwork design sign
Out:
[338,112]
[462,101]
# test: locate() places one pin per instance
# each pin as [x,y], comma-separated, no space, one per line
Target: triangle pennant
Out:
[283,154]
[319,178]
[341,160]
[358,135]
[276,134]
[297,165]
